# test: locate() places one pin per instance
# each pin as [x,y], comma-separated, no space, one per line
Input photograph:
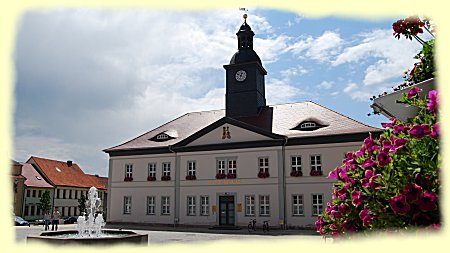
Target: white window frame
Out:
[165,205]
[221,166]
[316,164]
[295,165]
[317,204]
[298,205]
[126,204]
[204,205]
[152,169]
[263,164]
[166,169]
[264,205]
[162,136]
[232,166]
[307,125]
[191,206]
[191,167]
[151,205]
[249,201]
[129,170]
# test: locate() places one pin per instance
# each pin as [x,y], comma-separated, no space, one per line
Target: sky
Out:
[90,79]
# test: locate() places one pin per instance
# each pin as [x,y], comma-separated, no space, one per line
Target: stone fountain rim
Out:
[49,235]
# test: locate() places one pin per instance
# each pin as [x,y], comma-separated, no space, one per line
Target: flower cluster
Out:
[165,178]
[128,179]
[409,27]
[296,173]
[316,173]
[392,182]
[231,175]
[151,178]
[191,177]
[221,175]
[263,174]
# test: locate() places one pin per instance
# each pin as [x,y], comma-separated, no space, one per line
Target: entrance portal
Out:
[226,210]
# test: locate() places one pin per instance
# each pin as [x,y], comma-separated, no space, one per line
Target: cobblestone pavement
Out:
[164,235]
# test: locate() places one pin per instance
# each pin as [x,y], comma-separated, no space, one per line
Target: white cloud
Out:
[394,56]
[280,91]
[293,72]
[321,49]
[326,85]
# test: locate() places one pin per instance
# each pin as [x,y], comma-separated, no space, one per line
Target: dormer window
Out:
[162,136]
[308,125]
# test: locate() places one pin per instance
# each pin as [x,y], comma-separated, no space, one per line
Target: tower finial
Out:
[245,17]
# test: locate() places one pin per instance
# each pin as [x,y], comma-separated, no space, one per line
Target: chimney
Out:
[69,163]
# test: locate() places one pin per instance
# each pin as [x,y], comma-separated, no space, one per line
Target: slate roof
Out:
[33,178]
[59,173]
[285,117]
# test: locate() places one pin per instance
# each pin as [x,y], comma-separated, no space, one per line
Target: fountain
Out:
[90,229]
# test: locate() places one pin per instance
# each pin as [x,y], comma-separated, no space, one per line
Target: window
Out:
[249,205]
[232,166]
[264,165]
[317,204]
[297,205]
[191,205]
[316,163]
[264,208]
[162,136]
[33,211]
[34,194]
[296,163]
[152,169]
[221,166]
[28,193]
[39,193]
[64,194]
[151,205]
[166,169]
[26,211]
[165,205]
[308,125]
[128,170]
[127,205]
[191,168]
[204,205]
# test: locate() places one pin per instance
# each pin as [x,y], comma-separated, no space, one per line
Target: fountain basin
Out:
[68,237]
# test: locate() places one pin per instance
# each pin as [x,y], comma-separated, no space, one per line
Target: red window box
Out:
[128,179]
[231,175]
[263,174]
[220,175]
[297,173]
[165,178]
[191,177]
[151,178]
[316,173]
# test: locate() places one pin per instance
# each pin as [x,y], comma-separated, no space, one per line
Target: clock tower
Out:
[245,88]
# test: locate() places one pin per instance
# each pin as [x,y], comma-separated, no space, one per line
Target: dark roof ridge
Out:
[43,158]
[345,115]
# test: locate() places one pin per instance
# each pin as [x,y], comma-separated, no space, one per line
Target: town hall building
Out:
[227,167]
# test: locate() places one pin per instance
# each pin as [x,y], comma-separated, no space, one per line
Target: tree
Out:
[44,202]
[82,204]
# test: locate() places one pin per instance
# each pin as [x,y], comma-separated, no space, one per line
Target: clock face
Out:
[241,75]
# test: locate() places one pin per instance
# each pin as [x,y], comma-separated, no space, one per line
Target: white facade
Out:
[280,186]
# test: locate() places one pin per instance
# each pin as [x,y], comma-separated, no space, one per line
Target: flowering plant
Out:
[231,175]
[220,175]
[316,173]
[424,69]
[263,174]
[128,179]
[165,178]
[151,178]
[191,177]
[296,173]
[392,182]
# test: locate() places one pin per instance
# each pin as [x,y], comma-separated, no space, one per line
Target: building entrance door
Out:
[226,210]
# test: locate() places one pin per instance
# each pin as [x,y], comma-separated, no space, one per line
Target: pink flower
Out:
[421,219]
[400,129]
[366,216]
[420,131]
[357,198]
[344,209]
[434,100]
[398,143]
[412,192]
[435,131]
[391,124]
[414,91]
[369,163]
[399,205]
[384,158]
[428,202]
